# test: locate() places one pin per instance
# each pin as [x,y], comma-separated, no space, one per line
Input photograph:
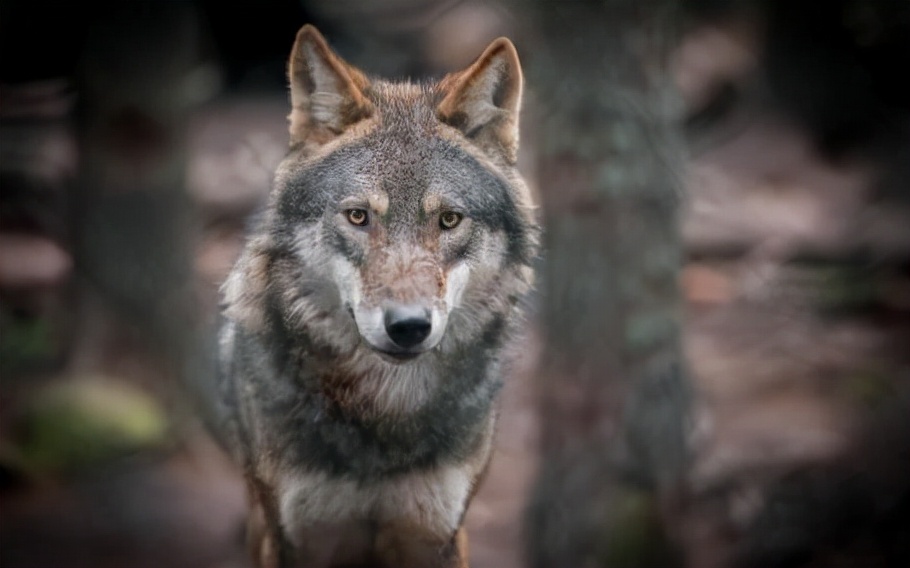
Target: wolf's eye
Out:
[358,217]
[449,220]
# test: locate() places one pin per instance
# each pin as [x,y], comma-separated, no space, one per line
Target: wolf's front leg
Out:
[461,547]
[406,545]
[265,541]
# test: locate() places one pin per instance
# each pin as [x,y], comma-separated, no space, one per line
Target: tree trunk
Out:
[614,393]
[140,75]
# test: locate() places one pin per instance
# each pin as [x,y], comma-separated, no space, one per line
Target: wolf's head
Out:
[397,222]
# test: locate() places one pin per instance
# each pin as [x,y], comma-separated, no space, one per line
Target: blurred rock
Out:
[32,261]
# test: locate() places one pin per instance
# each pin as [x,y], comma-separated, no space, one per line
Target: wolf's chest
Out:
[433,499]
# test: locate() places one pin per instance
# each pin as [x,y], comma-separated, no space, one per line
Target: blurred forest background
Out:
[718,366]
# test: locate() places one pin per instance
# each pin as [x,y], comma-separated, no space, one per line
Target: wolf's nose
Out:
[407,326]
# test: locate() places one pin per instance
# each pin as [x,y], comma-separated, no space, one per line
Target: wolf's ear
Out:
[484,100]
[327,94]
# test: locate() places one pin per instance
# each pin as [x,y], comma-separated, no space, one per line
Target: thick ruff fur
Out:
[365,322]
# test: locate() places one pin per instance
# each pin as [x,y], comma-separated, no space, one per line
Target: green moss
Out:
[847,288]
[87,421]
[649,329]
[25,341]
[635,537]
[869,387]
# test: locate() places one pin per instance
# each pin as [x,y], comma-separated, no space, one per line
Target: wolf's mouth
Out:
[398,356]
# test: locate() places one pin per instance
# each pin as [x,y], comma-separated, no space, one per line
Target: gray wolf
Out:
[365,321]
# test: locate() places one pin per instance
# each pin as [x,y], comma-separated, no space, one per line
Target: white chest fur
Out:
[432,499]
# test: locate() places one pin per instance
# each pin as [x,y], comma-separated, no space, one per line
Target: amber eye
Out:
[358,217]
[449,220]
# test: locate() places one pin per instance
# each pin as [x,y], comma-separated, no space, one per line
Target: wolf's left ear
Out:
[484,100]
[327,94]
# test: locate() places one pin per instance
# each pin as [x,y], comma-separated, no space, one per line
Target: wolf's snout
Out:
[407,326]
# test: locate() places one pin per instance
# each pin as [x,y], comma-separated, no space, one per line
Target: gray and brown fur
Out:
[363,440]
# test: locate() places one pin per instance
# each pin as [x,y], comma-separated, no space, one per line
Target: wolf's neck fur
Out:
[364,385]
[360,416]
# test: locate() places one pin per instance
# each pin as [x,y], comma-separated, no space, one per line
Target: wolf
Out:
[366,321]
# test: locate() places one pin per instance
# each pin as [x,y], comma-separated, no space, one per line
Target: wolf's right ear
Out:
[327,94]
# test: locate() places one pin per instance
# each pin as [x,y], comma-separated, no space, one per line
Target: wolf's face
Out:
[401,222]
[397,222]
[401,248]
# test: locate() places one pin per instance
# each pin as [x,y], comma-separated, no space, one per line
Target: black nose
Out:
[407,326]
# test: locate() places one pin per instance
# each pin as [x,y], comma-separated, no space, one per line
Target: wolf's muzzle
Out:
[407,325]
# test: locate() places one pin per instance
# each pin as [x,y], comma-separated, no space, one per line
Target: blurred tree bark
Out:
[615,397]
[140,75]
